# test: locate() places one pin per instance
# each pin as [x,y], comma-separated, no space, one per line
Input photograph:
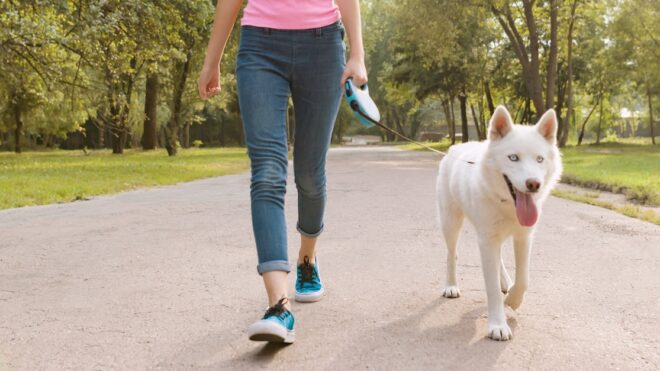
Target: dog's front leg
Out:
[521,247]
[490,250]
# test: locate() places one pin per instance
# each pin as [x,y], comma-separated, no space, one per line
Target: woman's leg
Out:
[277,286]
[307,248]
[263,92]
[316,94]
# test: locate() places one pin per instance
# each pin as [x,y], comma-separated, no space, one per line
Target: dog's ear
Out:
[547,126]
[500,124]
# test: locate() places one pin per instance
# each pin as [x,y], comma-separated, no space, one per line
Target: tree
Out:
[36,72]
[634,33]
[528,53]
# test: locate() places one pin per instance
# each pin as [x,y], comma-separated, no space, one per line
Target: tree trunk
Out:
[600,120]
[445,109]
[651,123]
[584,124]
[119,140]
[464,121]
[100,125]
[117,127]
[453,121]
[528,60]
[186,135]
[222,132]
[527,115]
[489,98]
[18,121]
[399,124]
[552,58]
[340,132]
[182,70]
[150,112]
[563,135]
[477,124]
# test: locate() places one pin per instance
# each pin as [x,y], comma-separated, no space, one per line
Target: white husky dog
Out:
[500,186]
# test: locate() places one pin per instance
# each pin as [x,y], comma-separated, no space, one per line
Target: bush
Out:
[611,137]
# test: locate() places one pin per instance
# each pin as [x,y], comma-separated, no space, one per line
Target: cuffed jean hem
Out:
[274,265]
[309,235]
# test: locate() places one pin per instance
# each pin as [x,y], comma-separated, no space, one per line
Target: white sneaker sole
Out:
[310,298]
[264,330]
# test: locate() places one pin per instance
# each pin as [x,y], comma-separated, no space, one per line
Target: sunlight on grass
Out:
[628,168]
[633,170]
[628,210]
[37,178]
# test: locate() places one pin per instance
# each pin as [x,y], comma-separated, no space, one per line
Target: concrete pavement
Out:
[165,278]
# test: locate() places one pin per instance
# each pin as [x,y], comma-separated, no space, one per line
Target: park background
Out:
[99,97]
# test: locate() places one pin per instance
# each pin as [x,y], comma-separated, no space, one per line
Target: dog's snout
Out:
[533,185]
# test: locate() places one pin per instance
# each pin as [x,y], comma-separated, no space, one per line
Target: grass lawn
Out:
[629,168]
[37,178]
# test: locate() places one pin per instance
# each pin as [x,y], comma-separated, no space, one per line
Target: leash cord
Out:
[356,108]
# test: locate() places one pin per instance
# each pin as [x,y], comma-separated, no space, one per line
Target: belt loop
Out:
[268,31]
[318,32]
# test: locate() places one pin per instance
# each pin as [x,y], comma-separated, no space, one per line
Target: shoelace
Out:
[307,272]
[278,309]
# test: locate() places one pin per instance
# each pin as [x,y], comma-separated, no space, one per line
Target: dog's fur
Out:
[480,192]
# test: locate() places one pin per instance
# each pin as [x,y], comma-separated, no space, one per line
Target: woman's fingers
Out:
[357,71]
[360,79]
[208,84]
[345,76]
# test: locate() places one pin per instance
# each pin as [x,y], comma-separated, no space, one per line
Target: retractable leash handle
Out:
[363,106]
[366,111]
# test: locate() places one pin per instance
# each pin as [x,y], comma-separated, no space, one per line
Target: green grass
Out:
[442,145]
[631,169]
[629,210]
[37,178]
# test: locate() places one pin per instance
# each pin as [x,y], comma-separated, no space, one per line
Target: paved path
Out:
[165,279]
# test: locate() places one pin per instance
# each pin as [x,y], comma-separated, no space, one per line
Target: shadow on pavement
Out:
[417,342]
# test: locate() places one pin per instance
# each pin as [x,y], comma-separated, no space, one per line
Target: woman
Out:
[289,48]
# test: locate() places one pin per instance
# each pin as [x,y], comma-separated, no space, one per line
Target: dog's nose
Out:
[533,185]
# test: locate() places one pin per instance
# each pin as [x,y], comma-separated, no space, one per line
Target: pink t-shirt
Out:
[290,14]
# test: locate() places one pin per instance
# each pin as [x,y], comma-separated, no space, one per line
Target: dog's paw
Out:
[505,287]
[500,332]
[451,292]
[514,298]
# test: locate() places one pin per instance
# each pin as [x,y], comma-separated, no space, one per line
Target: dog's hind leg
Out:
[451,227]
[505,280]
[521,247]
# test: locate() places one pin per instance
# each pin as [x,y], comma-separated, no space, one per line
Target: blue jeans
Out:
[273,65]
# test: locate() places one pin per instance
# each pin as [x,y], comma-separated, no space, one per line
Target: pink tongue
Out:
[525,209]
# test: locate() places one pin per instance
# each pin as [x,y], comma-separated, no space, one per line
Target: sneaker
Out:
[308,282]
[275,326]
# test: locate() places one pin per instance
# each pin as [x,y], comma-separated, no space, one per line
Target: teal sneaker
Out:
[309,287]
[275,326]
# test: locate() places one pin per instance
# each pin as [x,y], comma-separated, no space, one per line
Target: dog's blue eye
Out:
[513,157]
[539,159]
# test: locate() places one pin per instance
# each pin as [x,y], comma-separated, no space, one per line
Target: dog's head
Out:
[527,157]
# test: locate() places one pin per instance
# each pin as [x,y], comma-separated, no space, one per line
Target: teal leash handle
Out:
[352,98]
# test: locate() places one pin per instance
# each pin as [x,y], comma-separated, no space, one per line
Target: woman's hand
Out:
[350,15]
[356,70]
[226,12]
[209,82]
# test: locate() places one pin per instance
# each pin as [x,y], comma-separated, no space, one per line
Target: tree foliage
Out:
[122,73]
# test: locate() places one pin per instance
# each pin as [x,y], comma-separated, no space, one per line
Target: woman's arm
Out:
[350,14]
[226,12]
